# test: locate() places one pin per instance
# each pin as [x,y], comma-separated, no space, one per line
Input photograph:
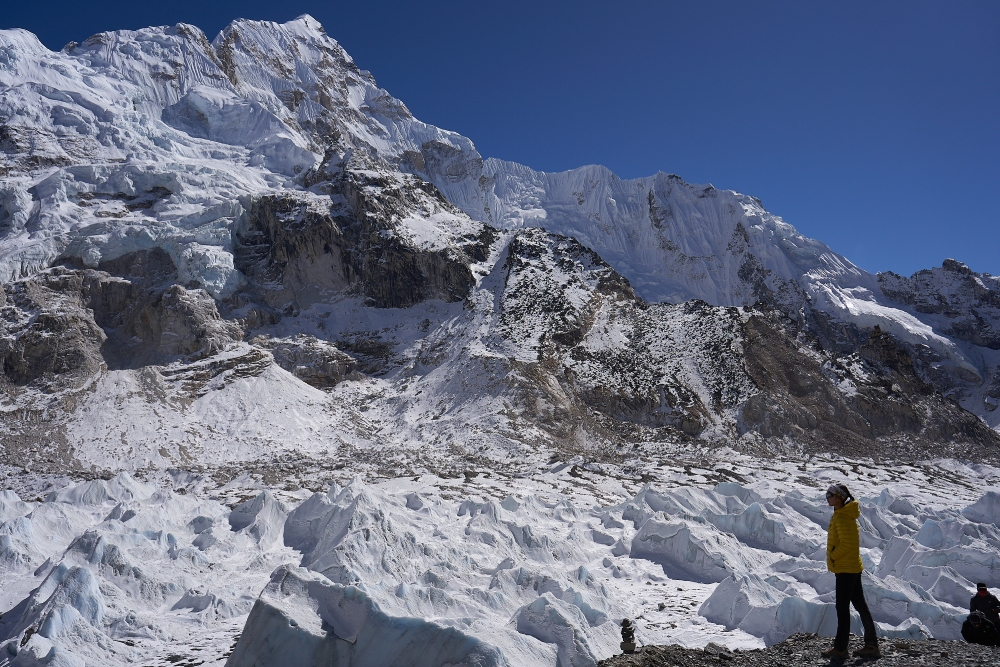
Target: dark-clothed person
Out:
[978,629]
[987,603]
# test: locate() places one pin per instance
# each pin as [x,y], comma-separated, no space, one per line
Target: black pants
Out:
[849,592]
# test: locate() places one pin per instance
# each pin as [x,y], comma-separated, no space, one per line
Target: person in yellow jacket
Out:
[843,558]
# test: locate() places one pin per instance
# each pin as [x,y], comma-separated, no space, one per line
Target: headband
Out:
[839,490]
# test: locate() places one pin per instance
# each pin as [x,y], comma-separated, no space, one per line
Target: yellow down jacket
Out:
[843,543]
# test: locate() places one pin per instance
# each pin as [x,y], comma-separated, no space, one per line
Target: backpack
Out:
[978,629]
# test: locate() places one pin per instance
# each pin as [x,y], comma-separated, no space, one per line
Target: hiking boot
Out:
[869,651]
[833,652]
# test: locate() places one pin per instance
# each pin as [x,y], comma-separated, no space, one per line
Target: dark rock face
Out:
[148,317]
[968,302]
[607,362]
[313,361]
[554,292]
[869,401]
[440,161]
[47,335]
[542,272]
[965,306]
[62,326]
[295,248]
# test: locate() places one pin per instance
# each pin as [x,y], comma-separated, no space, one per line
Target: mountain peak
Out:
[955,266]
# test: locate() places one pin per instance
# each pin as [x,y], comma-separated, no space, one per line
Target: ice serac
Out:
[433,572]
[302,618]
[360,536]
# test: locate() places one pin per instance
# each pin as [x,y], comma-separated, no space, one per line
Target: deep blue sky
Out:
[874,127]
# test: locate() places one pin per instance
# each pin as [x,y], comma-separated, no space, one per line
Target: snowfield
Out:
[482,570]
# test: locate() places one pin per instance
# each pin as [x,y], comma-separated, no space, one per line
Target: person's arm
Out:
[831,544]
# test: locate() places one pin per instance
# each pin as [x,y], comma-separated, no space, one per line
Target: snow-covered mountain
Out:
[218,207]
[239,270]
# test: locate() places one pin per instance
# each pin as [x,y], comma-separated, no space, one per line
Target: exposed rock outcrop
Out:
[47,334]
[805,649]
[62,326]
[313,361]
[869,401]
[356,239]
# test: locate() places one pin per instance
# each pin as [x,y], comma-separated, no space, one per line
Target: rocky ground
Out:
[805,649]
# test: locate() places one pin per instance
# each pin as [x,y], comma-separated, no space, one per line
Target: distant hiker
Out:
[987,603]
[978,629]
[843,558]
[628,636]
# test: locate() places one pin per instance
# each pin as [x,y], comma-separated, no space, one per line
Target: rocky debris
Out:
[214,372]
[846,403]
[805,649]
[315,362]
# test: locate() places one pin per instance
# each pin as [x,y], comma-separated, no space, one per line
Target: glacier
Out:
[492,570]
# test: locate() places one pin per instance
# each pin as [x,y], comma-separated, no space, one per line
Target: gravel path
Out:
[804,649]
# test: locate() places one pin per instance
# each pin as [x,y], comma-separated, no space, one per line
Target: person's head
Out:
[981,589]
[837,495]
[626,623]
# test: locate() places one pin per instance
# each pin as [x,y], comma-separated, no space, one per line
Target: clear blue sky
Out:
[874,127]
